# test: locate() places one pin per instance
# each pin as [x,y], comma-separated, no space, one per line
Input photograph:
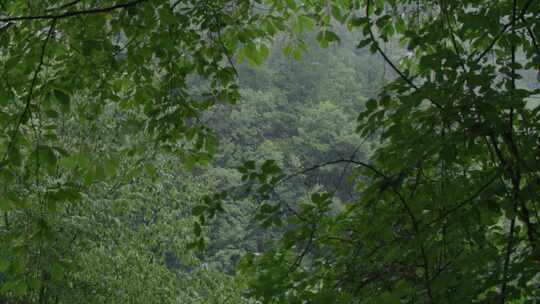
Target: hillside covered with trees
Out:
[269,151]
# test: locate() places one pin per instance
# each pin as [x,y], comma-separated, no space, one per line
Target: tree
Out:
[97,93]
[448,213]
[92,91]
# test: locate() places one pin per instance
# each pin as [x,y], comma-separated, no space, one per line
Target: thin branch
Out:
[333,162]
[515,173]
[73,13]
[225,50]
[175,4]
[444,9]
[425,260]
[505,28]
[389,62]
[468,199]
[30,93]
[506,266]
[532,36]
[299,258]
[287,206]
[427,279]
[447,264]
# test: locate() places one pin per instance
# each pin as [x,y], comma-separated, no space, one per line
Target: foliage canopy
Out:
[100,99]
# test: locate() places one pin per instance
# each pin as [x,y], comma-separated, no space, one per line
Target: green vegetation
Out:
[269,151]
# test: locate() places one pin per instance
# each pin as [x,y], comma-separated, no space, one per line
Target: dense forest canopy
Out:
[269,151]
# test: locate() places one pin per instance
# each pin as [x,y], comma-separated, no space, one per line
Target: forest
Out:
[269,151]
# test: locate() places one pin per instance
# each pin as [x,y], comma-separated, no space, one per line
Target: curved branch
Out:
[334,162]
[468,199]
[225,50]
[532,36]
[505,28]
[387,59]
[300,257]
[451,33]
[73,13]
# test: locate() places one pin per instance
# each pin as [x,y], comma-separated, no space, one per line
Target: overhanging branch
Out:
[73,13]
[389,62]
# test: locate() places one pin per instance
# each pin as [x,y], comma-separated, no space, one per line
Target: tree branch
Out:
[30,93]
[392,65]
[334,162]
[303,253]
[468,199]
[505,28]
[73,13]
[532,36]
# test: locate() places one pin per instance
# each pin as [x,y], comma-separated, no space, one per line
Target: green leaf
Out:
[287,49]
[263,52]
[400,25]
[190,161]
[364,43]
[331,36]
[371,105]
[250,51]
[304,23]
[291,4]
[297,54]
[336,12]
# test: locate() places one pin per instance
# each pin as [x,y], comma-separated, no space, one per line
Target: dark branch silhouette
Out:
[73,13]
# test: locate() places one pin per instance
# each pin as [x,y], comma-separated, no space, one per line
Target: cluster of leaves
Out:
[98,93]
[94,91]
[449,210]
[101,99]
[276,122]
